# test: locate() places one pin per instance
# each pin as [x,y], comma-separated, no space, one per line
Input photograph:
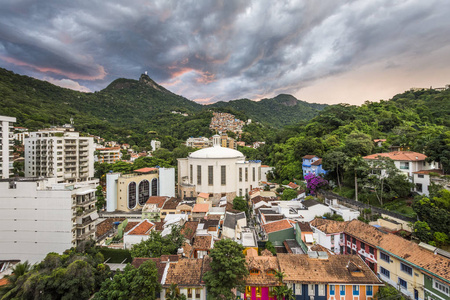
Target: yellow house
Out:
[133,190]
[169,207]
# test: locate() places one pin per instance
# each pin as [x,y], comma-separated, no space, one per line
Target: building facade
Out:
[312,164]
[61,154]
[42,216]
[217,171]
[6,146]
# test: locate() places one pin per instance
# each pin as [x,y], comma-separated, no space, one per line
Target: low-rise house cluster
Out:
[223,122]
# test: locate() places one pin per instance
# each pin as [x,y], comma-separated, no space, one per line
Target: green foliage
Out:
[288,194]
[174,293]
[422,231]
[239,203]
[101,201]
[228,269]
[282,291]
[116,256]
[388,292]
[141,283]
[269,246]
[334,217]
[76,274]
[157,245]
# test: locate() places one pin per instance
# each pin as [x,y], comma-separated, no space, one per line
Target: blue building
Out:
[312,164]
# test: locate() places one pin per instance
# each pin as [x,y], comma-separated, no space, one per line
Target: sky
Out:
[324,51]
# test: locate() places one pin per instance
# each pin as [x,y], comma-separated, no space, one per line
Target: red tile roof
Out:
[130,226]
[264,265]
[277,226]
[328,226]
[143,228]
[203,195]
[293,185]
[4,281]
[186,272]
[189,229]
[309,156]
[145,170]
[160,266]
[399,155]
[426,172]
[158,200]
[202,242]
[172,203]
[317,162]
[201,208]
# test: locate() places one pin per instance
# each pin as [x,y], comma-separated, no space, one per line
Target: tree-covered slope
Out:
[278,112]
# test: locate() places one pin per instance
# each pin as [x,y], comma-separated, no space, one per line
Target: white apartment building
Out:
[109,155]
[59,153]
[42,216]
[6,146]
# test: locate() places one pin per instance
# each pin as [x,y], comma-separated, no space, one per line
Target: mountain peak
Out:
[145,79]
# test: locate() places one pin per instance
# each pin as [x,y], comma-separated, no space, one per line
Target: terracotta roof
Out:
[302,268]
[172,203]
[426,172]
[145,170]
[159,226]
[186,272]
[328,226]
[266,252]
[271,218]
[293,185]
[399,155]
[202,242]
[318,247]
[158,200]
[143,228]
[263,264]
[138,261]
[265,166]
[203,195]
[129,226]
[3,281]
[276,226]
[400,247]
[201,208]
[105,226]
[309,156]
[317,162]
[189,229]
[304,226]
[379,140]
[229,208]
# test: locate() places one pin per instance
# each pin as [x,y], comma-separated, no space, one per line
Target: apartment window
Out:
[321,289]
[246,174]
[356,290]
[354,241]
[311,288]
[402,283]
[385,257]
[240,192]
[189,293]
[132,195]
[240,174]
[210,175]
[371,250]
[197,293]
[405,268]
[223,175]
[404,165]
[349,250]
[420,176]
[144,192]
[259,173]
[369,290]
[191,173]
[199,175]
[298,289]
[258,292]
[342,290]
[441,287]
[155,187]
[332,239]
[385,272]
[363,246]
[253,174]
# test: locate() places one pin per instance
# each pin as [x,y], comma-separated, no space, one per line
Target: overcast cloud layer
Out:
[326,51]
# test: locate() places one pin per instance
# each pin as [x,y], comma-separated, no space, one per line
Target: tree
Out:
[356,165]
[174,293]
[358,143]
[17,272]
[334,161]
[141,283]
[388,292]
[239,203]
[157,245]
[289,194]
[269,246]
[228,269]
[282,291]
[101,202]
[422,231]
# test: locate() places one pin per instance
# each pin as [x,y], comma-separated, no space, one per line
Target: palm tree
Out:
[17,272]
[174,293]
[282,291]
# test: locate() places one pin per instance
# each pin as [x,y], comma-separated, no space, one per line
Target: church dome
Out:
[217,152]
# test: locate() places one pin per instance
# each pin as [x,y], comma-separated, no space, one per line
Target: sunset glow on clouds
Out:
[326,51]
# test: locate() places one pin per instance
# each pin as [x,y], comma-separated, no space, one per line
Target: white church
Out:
[217,171]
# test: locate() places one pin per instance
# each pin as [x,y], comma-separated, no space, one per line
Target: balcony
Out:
[86,234]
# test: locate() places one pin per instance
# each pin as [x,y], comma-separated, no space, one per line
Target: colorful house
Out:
[320,276]
[312,164]
[260,283]
[279,231]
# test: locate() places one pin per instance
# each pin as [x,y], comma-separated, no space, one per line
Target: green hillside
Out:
[277,112]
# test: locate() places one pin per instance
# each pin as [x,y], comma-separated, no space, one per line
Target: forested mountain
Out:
[127,110]
[278,112]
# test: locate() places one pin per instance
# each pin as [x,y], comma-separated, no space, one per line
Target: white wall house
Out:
[218,171]
[42,216]
[6,144]
[425,178]
[59,153]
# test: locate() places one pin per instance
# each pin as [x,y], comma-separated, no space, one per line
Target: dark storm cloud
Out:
[215,50]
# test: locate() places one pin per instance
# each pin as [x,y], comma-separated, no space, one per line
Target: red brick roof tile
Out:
[277,226]
[143,228]
[399,155]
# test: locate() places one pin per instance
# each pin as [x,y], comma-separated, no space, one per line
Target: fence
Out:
[360,206]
